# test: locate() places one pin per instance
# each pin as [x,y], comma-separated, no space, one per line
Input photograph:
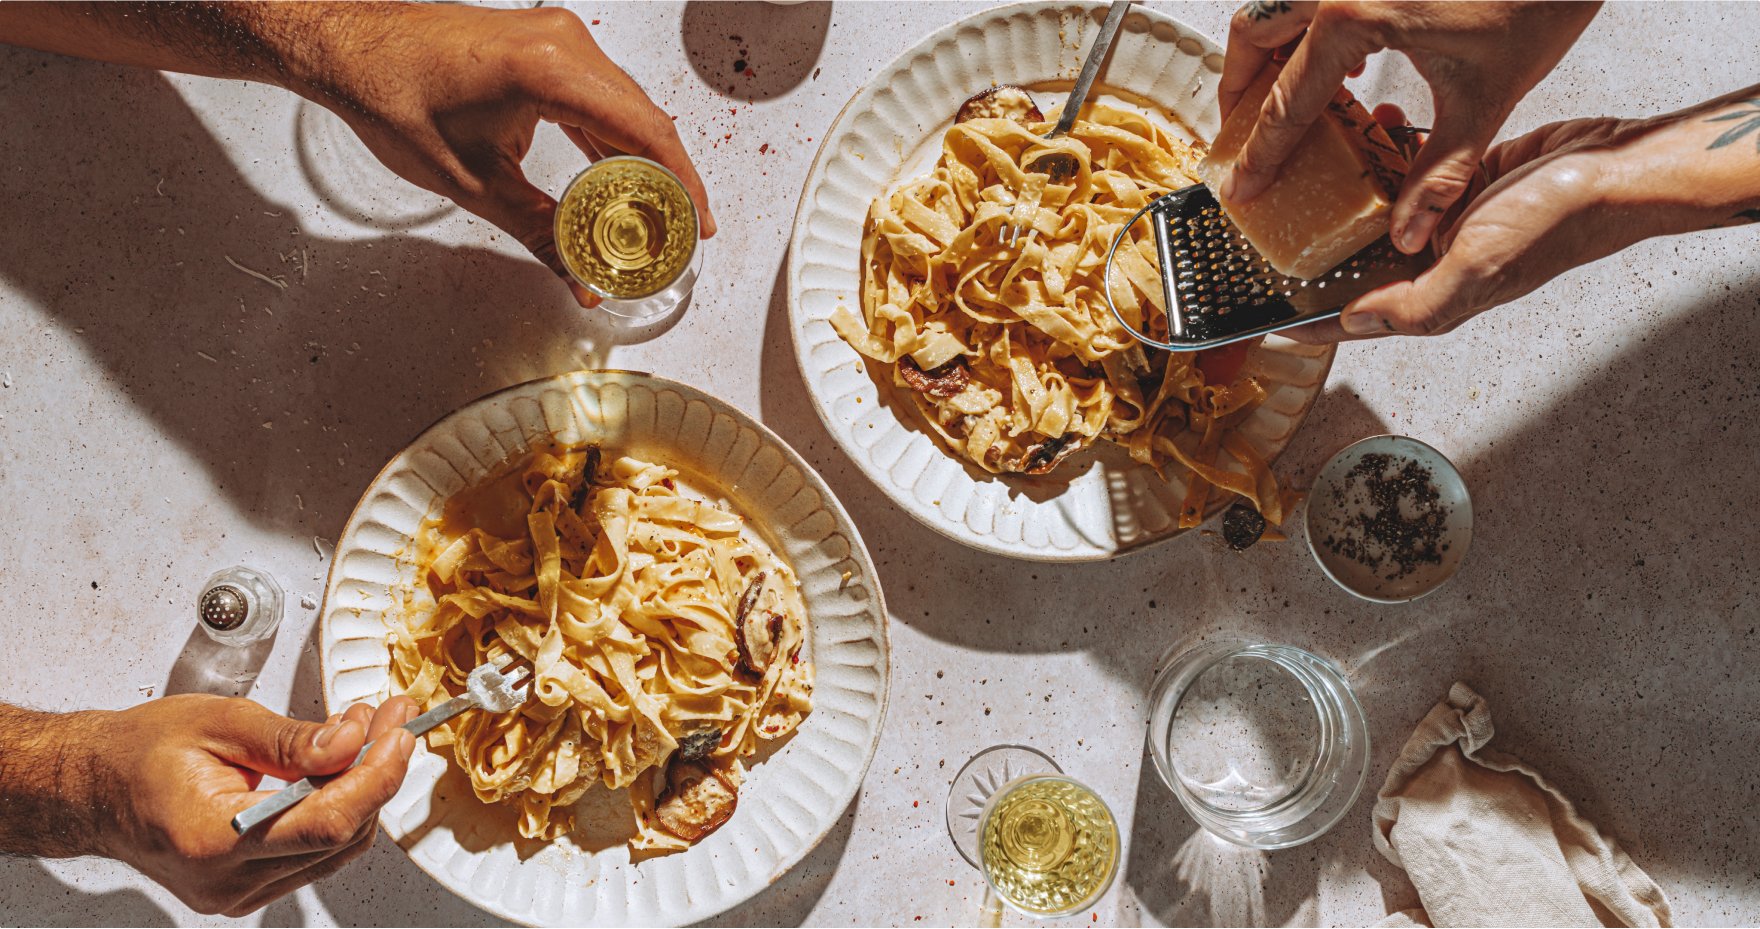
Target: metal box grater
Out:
[1220,289]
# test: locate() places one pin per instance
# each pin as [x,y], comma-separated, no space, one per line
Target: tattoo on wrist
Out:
[1261,10]
[1747,123]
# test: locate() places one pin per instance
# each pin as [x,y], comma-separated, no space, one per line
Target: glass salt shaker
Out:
[239,606]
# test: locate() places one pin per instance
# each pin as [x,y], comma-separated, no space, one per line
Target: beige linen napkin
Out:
[1488,842]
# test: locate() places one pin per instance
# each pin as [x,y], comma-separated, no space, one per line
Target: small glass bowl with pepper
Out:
[1389,519]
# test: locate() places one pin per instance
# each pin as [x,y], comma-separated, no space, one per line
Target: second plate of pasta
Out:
[978,377]
[703,627]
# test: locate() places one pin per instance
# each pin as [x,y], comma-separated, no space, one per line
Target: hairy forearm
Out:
[1698,168]
[281,43]
[49,805]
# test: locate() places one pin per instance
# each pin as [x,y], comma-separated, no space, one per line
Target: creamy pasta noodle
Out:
[1008,349]
[665,642]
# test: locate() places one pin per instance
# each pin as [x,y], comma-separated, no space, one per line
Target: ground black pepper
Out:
[1404,522]
[1242,526]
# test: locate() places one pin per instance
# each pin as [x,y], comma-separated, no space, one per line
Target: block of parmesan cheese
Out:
[1330,199]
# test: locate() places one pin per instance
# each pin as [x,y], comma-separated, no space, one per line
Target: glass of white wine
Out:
[626,229]
[1046,843]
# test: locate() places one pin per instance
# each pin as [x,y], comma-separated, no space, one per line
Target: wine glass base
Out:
[977,780]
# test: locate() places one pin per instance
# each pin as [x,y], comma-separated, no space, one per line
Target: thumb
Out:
[1441,174]
[1435,302]
[252,737]
[529,215]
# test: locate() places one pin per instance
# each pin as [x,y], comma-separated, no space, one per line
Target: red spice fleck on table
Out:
[764,149]
[913,804]
[595,22]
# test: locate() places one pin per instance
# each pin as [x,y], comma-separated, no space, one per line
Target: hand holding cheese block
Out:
[1479,59]
[1565,195]
[1335,193]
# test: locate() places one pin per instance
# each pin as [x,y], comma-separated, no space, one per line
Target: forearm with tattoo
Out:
[1745,120]
[1698,168]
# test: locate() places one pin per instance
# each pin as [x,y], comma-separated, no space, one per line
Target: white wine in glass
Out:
[1049,845]
[1045,843]
[627,230]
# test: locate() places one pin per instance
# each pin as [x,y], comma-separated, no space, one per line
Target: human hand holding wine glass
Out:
[449,98]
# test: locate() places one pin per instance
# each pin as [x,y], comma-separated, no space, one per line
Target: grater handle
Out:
[1163,250]
[1176,320]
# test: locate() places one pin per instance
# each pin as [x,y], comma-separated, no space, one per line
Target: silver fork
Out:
[1059,165]
[485,688]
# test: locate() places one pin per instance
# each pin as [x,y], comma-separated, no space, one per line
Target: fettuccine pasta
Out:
[664,643]
[1008,348]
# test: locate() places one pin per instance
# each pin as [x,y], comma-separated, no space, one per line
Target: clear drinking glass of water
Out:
[1264,745]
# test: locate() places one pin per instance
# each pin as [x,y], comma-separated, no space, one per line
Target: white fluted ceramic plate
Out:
[789,800]
[1099,503]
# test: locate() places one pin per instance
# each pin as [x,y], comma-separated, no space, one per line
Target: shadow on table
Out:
[750,50]
[209,667]
[31,896]
[291,397]
[1178,875]
[790,900]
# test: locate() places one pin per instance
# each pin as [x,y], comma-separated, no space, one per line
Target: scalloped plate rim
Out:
[858,551]
[958,530]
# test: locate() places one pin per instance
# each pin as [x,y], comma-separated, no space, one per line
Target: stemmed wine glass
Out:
[1046,844]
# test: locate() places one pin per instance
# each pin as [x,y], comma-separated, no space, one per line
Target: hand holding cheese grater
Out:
[1299,252]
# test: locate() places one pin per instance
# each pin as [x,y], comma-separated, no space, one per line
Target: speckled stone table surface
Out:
[163,415]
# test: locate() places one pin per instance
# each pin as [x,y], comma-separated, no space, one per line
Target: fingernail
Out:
[1361,323]
[323,736]
[1417,231]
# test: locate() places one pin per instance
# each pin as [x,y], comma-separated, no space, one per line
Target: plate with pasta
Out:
[704,631]
[977,374]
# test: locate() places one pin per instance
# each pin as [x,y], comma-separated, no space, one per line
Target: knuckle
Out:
[291,741]
[386,779]
[1447,183]
[1275,114]
[1339,14]
[557,19]
[331,829]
